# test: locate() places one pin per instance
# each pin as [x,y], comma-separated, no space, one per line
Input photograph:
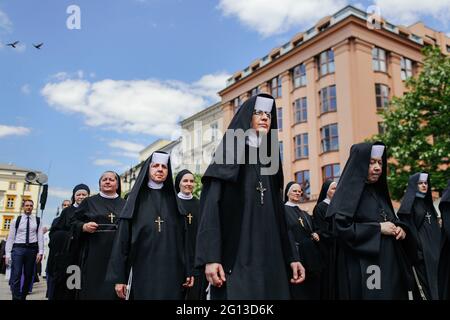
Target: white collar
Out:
[108,197]
[76,205]
[291,204]
[181,195]
[154,185]
[326,200]
[254,140]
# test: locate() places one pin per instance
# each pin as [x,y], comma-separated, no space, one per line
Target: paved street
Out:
[38,293]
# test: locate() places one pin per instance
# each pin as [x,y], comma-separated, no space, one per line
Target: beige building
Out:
[201,134]
[329,82]
[13,190]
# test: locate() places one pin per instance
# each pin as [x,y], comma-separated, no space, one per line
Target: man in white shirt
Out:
[24,247]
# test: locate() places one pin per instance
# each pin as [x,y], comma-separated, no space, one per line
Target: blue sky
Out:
[91,98]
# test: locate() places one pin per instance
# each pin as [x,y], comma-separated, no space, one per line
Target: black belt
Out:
[24,245]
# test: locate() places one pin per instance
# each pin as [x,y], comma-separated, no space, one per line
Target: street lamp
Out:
[41,180]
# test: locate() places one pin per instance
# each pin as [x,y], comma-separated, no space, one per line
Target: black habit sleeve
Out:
[208,244]
[120,253]
[362,237]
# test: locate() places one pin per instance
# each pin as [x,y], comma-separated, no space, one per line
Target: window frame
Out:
[330,138]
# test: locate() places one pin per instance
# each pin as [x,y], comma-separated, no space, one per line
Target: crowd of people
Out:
[247,237]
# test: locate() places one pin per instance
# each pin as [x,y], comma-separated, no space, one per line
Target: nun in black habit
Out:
[444,261]
[189,208]
[305,240]
[417,207]
[242,239]
[327,239]
[63,250]
[373,244]
[149,252]
[95,223]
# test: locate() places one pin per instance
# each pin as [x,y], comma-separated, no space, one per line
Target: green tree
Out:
[417,126]
[198,185]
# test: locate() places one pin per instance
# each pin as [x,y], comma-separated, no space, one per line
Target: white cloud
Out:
[410,11]
[128,149]
[5,22]
[26,89]
[126,145]
[107,162]
[60,193]
[21,47]
[5,27]
[269,18]
[61,76]
[13,131]
[149,106]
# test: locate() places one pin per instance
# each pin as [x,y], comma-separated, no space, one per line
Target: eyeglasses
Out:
[260,113]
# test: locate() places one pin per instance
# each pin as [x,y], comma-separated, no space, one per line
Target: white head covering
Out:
[264,104]
[423,177]
[377,151]
[161,158]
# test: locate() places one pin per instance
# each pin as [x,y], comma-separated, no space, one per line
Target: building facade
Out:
[329,84]
[200,135]
[13,191]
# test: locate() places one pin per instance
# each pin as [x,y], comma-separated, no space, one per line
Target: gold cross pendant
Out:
[159,221]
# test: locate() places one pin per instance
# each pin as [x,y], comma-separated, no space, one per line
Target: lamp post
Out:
[39,179]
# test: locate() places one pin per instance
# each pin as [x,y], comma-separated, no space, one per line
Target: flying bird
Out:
[38,46]
[13,44]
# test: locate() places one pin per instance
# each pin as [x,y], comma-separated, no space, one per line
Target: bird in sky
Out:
[38,46]
[13,44]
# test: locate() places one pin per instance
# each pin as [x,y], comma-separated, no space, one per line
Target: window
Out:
[237,104]
[302,178]
[381,128]
[10,201]
[301,146]
[326,62]
[12,185]
[27,187]
[331,172]
[407,68]
[329,138]
[7,223]
[281,150]
[378,59]
[382,95]
[299,76]
[280,118]
[275,87]
[328,99]
[254,91]
[300,110]
[214,131]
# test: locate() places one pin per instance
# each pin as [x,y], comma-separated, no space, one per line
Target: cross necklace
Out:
[158,220]
[260,187]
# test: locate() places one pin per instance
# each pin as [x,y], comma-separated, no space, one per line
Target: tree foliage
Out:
[417,126]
